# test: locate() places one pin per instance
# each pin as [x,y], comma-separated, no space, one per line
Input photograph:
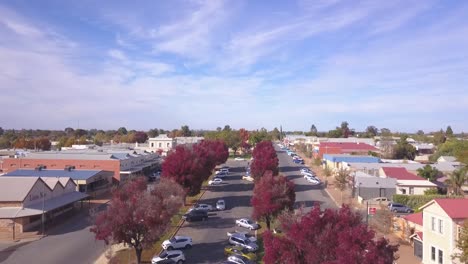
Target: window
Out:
[433,222]
[441,256]
[433,252]
[152,144]
[403,191]
[441,226]
[168,144]
[411,190]
[160,144]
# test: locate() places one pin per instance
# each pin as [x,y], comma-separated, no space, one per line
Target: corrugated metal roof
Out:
[401,174]
[74,155]
[455,208]
[73,174]
[375,182]
[15,189]
[350,158]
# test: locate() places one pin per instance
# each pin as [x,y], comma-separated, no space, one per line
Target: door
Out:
[418,248]
[382,192]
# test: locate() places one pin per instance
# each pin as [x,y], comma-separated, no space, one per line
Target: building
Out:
[367,187]
[337,161]
[161,143]
[27,203]
[441,227]
[342,148]
[92,182]
[407,183]
[123,163]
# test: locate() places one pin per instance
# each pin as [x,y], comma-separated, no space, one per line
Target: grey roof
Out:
[15,189]
[447,159]
[444,166]
[73,174]
[375,182]
[37,209]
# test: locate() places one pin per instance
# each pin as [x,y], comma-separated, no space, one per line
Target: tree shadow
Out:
[293,177]
[290,168]
[230,201]
[307,204]
[237,187]
[307,187]
[198,254]
[213,222]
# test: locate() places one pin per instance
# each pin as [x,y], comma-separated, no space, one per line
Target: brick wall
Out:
[12,164]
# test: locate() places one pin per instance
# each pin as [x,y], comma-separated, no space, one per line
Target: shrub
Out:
[416,201]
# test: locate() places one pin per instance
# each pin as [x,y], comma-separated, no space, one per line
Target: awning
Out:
[36,209]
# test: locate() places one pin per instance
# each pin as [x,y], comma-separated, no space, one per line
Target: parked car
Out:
[308,174]
[177,242]
[306,170]
[220,205]
[202,207]
[243,242]
[313,180]
[215,181]
[195,215]
[176,255]
[222,171]
[239,259]
[238,250]
[247,178]
[221,175]
[242,234]
[164,261]
[399,208]
[247,223]
[379,200]
[298,161]
[239,158]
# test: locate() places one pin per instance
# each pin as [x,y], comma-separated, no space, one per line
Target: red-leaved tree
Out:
[271,196]
[334,237]
[185,167]
[265,159]
[138,217]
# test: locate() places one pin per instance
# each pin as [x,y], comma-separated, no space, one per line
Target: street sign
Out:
[372,210]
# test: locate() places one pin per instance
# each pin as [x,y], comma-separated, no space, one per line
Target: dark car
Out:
[399,208]
[195,215]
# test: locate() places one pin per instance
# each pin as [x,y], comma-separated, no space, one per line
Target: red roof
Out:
[420,235]
[455,208]
[348,146]
[401,174]
[416,218]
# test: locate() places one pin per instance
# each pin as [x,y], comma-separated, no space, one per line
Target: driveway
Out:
[70,242]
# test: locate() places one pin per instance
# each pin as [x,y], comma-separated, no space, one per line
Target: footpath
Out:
[405,251]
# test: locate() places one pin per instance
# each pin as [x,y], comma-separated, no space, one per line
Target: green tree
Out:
[186,131]
[428,172]
[385,132]
[341,180]
[327,172]
[275,134]
[420,133]
[456,180]
[439,137]
[404,150]
[453,147]
[462,244]
[449,132]
[153,132]
[1,131]
[122,131]
[371,131]
[313,130]
[345,129]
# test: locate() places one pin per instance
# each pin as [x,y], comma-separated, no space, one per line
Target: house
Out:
[93,182]
[161,143]
[442,223]
[407,183]
[343,148]
[28,202]
[446,159]
[335,161]
[367,187]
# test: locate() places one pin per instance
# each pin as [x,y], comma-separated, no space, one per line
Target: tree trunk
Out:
[267,220]
[138,251]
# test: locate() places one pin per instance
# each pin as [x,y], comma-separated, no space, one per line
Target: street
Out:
[210,237]
[71,242]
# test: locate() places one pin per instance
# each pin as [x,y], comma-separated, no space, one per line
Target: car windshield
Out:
[249,222]
[172,240]
[163,254]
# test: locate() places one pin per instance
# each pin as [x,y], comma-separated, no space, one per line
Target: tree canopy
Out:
[428,172]
[264,159]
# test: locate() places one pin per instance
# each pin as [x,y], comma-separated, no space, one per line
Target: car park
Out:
[215,181]
[399,208]
[239,259]
[176,255]
[243,242]
[195,215]
[177,242]
[247,223]
[238,250]
[220,205]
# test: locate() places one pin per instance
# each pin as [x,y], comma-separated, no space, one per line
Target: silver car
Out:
[220,205]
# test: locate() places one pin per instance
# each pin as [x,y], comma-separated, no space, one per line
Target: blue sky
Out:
[141,64]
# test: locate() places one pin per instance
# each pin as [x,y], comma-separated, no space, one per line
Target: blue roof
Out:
[350,158]
[73,174]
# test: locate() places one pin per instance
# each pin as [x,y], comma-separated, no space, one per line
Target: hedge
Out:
[416,201]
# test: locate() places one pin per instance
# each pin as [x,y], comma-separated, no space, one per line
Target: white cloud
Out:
[117,54]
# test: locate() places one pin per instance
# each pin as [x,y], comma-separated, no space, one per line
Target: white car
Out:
[313,180]
[177,242]
[244,242]
[238,259]
[306,170]
[220,205]
[247,178]
[243,234]
[176,255]
[247,223]
[239,158]
[222,171]
[202,207]
[308,174]
[215,181]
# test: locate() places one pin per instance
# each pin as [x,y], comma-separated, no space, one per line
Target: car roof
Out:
[174,252]
[179,237]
